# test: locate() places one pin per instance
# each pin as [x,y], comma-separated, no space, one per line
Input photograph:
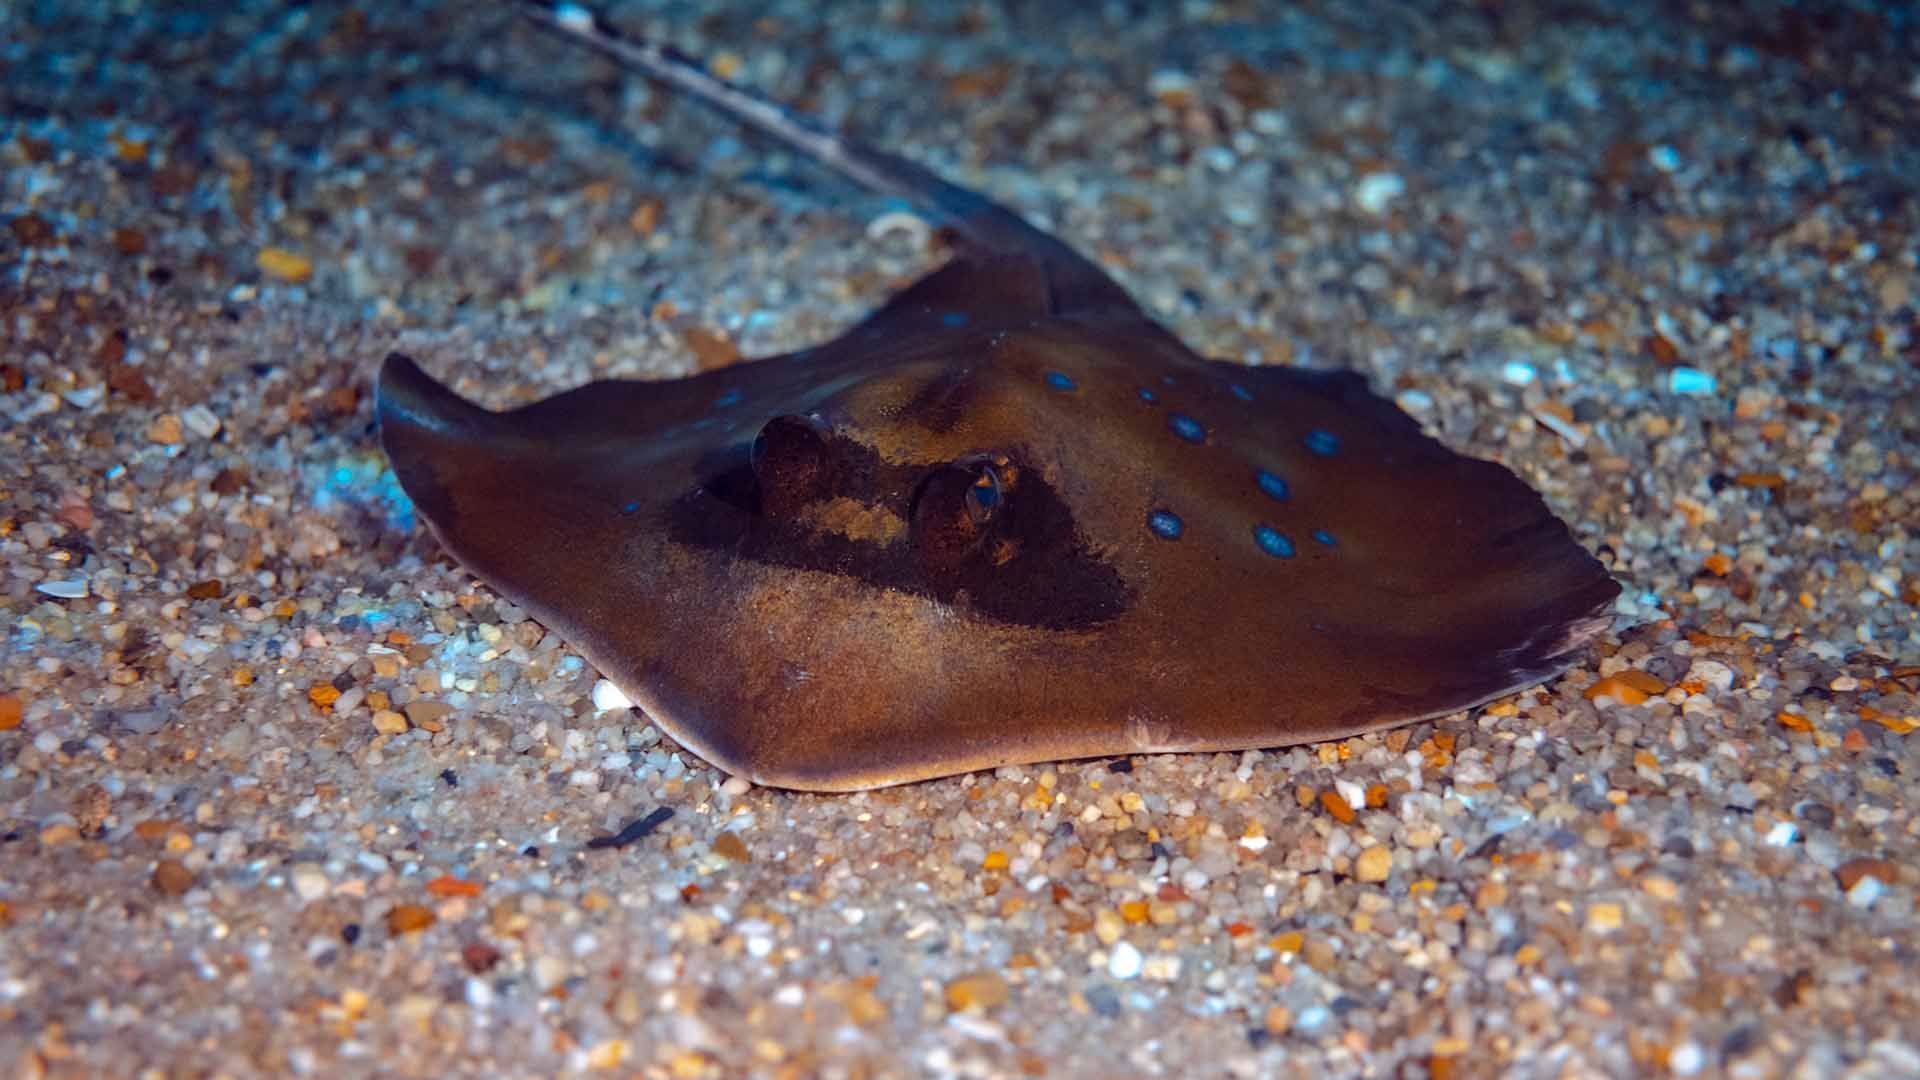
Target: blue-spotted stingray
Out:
[1005,519]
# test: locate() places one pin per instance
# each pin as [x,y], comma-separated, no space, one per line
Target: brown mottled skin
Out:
[937,559]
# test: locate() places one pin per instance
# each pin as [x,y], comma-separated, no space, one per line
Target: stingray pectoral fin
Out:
[423,426]
[406,398]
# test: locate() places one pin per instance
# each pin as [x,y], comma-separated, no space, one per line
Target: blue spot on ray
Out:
[1148,396]
[954,318]
[1241,392]
[1166,524]
[1187,427]
[1273,542]
[1059,381]
[1323,536]
[1323,442]
[731,397]
[1274,487]
[630,507]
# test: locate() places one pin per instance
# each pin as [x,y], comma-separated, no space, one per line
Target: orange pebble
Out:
[1627,687]
[447,885]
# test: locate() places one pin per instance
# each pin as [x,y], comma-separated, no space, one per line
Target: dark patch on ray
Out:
[1053,580]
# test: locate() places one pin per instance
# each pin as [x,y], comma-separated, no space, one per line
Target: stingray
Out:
[1005,519]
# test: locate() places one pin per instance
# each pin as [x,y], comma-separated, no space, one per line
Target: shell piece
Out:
[1006,519]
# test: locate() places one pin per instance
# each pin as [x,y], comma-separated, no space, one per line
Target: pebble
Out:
[1123,961]
[980,990]
[1854,871]
[728,845]
[309,881]
[285,265]
[1627,687]
[609,698]
[1376,191]
[1712,674]
[1373,864]
[1604,918]
[201,421]
[409,918]
[165,430]
[74,588]
[1691,382]
[172,878]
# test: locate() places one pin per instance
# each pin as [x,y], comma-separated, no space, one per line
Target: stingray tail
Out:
[1075,283]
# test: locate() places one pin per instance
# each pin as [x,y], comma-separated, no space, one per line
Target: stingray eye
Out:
[954,510]
[792,463]
[983,496]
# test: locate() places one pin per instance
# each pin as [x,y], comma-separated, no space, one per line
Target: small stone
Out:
[980,990]
[1107,926]
[407,918]
[56,835]
[32,230]
[1659,887]
[1351,793]
[11,711]
[64,588]
[736,786]
[309,881]
[165,430]
[1172,87]
[1711,674]
[609,698]
[388,722]
[1627,687]
[1852,871]
[427,714]
[447,886]
[1124,961]
[479,957]
[288,266]
[729,846]
[1376,191]
[1691,382]
[172,878]
[1373,864]
[1604,918]
[608,1055]
[200,420]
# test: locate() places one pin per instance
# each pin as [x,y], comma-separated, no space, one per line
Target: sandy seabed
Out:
[283,791]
